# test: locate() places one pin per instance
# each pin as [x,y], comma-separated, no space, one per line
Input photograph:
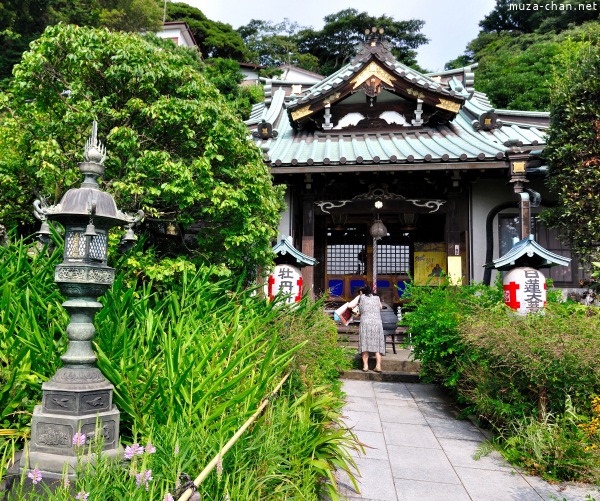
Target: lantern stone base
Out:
[74,400]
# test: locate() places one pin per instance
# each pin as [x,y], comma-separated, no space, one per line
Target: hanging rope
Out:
[187,494]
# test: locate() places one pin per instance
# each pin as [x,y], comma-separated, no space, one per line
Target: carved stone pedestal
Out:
[74,400]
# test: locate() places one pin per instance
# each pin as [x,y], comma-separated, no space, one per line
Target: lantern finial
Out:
[94,149]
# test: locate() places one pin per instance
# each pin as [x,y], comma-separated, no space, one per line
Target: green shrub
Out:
[531,378]
[198,356]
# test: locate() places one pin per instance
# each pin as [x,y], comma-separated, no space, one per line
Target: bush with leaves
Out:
[175,147]
[573,149]
[192,361]
[524,376]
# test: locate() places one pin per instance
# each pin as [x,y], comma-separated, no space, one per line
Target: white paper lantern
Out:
[525,290]
[285,280]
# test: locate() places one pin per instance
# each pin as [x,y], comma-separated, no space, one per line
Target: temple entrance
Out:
[347,262]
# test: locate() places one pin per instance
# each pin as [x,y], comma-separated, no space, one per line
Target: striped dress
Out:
[370,334]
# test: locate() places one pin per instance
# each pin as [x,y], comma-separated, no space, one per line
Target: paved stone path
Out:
[420,452]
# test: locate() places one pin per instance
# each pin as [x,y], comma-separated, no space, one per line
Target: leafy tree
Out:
[215,39]
[540,16]
[226,75]
[175,148]
[22,21]
[336,43]
[573,148]
[515,70]
[276,44]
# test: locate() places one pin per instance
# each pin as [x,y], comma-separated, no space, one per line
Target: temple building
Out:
[453,180]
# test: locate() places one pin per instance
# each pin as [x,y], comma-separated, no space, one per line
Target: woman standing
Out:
[370,334]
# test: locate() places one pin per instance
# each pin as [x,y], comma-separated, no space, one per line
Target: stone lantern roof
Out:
[285,248]
[527,252]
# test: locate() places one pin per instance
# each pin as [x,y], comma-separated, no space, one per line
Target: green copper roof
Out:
[527,252]
[461,139]
[284,247]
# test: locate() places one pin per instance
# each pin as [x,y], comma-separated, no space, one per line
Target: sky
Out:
[449,25]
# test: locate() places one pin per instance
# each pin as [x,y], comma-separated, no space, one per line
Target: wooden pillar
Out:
[308,241]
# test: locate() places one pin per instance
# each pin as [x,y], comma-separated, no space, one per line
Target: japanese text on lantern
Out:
[286,282]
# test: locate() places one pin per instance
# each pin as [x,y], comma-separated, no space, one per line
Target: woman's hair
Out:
[366,290]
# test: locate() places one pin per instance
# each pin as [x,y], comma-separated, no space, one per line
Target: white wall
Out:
[485,195]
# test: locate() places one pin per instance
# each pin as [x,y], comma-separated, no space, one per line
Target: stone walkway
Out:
[418,451]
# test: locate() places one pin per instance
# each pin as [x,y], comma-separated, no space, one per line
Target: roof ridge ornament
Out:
[94,154]
[94,151]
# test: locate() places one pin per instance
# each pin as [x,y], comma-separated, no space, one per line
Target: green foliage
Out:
[435,316]
[215,39]
[554,448]
[225,75]
[175,147]
[336,43]
[327,50]
[573,150]
[189,365]
[518,50]
[522,375]
[541,16]
[276,44]
[23,21]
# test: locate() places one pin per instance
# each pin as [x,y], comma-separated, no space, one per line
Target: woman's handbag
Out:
[344,313]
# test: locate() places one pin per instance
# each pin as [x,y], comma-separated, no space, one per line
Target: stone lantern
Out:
[78,399]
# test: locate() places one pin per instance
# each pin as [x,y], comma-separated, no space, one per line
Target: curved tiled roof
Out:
[460,140]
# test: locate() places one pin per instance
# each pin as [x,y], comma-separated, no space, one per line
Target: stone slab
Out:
[410,435]
[354,388]
[365,421]
[374,445]
[460,453]
[428,393]
[490,485]
[413,490]
[392,391]
[414,463]
[437,410]
[375,482]
[400,414]
[453,428]
[361,404]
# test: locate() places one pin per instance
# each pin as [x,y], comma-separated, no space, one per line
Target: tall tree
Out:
[336,43]
[517,48]
[175,148]
[22,21]
[274,44]
[573,148]
[215,39]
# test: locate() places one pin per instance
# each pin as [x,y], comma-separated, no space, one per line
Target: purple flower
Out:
[79,439]
[176,449]
[149,448]
[35,475]
[143,477]
[168,497]
[133,450]
[219,467]
[82,495]
[66,482]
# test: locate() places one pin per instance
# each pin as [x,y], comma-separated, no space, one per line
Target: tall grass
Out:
[189,364]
